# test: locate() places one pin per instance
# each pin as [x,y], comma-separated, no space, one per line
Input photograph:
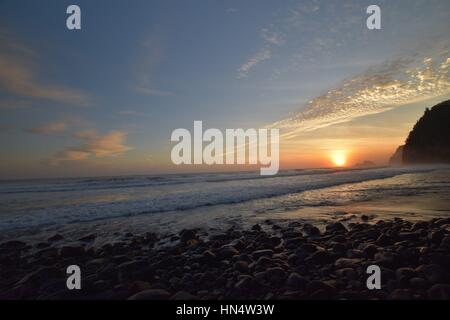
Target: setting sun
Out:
[339,158]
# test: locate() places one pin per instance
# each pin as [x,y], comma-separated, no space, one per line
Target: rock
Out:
[183,295]
[407,273]
[439,292]
[263,261]
[227,252]
[244,283]
[387,259]
[291,234]
[260,253]
[347,273]
[436,236]
[96,263]
[274,241]
[151,237]
[339,239]
[419,225]
[339,248]
[275,274]
[336,227]
[241,266]
[49,253]
[121,258]
[294,224]
[432,272]
[42,245]
[370,250]
[151,294]
[364,218]
[256,227]
[130,266]
[320,290]
[55,238]
[383,240]
[187,235]
[408,236]
[13,245]
[39,277]
[400,294]
[88,238]
[309,247]
[138,286]
[320,257]
[296,281]
[441,222]
[101,285]
[346,263]
[209,256]
[293,242]
[311,230]
[71,251]
[445,242]
[418,283]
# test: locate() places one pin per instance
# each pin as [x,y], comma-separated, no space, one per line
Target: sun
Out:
[339,158]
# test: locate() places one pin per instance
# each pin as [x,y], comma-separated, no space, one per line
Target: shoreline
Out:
[270,260]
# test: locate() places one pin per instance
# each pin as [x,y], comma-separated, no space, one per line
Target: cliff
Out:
[429,140]
[397,157]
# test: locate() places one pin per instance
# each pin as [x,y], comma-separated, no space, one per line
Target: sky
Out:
[105,99]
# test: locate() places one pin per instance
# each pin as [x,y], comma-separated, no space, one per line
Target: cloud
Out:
[252,62]
[18,75]
[153,92]
[272,37]
[49,128]
[384,87]
[148,60]
[130,113]
[70,155]
[12,104]
[85,134]
[95,146]
[110,144]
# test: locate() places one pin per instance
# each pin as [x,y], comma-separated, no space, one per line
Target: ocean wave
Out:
[190,196]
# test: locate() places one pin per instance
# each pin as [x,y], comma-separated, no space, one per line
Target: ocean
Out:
[218,200]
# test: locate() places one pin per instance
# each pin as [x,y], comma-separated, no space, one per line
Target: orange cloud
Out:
[18,75]
[110,144]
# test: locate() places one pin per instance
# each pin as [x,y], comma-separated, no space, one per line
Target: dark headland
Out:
[429,140]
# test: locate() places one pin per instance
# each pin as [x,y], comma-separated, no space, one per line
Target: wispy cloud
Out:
[153,92]
[12,104]
[151,56]
[252,62]
[86,134]
[19,75]
[381,88]
[232,10]
[49,128]
[110,144]
[131,113]
[272,37]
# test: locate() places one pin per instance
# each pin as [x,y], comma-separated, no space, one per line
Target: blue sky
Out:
[105,99]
